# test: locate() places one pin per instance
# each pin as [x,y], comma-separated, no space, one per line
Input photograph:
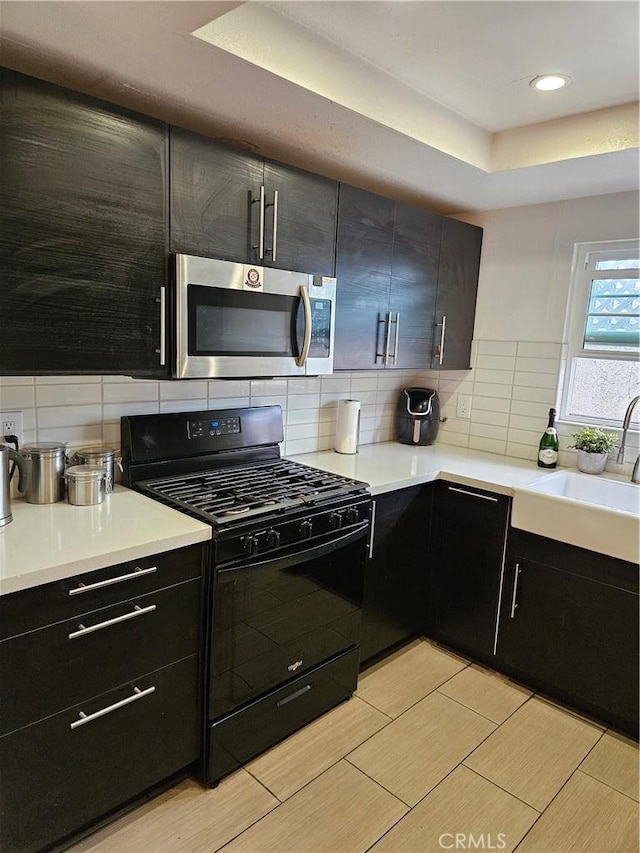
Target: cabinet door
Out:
[396,577]
[457,288]
[305,228]
[215,192]
[414,282]
[469,534]
[56,779]
[363,271]
[574,637]
[82,233]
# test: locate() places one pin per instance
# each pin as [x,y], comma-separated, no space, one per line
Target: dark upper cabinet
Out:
[230,204]
[82,233]
[468,541]
[457,289]
[387,267]
[212,189]
[569,626]
[396,576]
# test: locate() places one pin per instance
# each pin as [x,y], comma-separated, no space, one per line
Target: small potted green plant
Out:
[593,445]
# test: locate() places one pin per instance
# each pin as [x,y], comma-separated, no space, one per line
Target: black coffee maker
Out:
[417,416]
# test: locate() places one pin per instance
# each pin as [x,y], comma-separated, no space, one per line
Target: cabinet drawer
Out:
[55,667]
[55,778]
[42,605]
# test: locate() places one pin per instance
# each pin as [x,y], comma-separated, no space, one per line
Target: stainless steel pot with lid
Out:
[47,460]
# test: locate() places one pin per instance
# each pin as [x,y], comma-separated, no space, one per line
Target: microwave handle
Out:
[306,343]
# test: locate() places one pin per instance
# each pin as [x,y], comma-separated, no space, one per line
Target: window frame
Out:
[583,272]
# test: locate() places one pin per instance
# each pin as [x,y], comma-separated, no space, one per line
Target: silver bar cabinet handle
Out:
[260,201]
[274,233]
[387,340]
[442,334]
[473,494]
[304,295]
[90,587]
[137,611]
[89,718]
[372,529]
[395,341]
[162,351]
[514,604]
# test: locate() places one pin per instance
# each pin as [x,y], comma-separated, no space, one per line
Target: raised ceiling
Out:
[422,100]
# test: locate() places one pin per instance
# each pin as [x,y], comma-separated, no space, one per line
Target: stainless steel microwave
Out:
[244,320]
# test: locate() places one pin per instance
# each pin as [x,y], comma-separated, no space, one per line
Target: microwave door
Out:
[233,332]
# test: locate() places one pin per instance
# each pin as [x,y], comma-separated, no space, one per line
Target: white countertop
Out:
[48,542]
[390,466]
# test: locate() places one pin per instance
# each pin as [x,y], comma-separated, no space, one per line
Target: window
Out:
[603,334]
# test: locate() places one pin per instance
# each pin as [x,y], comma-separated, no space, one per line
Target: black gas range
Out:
[285,586]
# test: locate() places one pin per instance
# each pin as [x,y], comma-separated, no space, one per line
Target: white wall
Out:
[522,299]
[526,261]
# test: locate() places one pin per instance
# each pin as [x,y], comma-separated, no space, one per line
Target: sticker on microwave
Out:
[253,278]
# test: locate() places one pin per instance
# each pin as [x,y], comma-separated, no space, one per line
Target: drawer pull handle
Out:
[137,611]
[90,587]
[293,696]
[473,494]
[89,718]
[514,601]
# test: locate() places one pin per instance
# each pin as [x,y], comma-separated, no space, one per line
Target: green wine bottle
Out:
[548,447]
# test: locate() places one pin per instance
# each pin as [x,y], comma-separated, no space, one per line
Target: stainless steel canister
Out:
[85,485]
[100,456]
[46,472]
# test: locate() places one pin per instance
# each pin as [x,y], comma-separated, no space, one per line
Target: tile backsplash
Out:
[512,385]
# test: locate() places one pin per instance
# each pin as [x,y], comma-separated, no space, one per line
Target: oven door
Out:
[276,619]
[240,320]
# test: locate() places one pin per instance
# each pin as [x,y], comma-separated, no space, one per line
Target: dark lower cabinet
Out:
[82,233]
[569,626]
[55,778]
[468,542]
[396,576]
[101,694]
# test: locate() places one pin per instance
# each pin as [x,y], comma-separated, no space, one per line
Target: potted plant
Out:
[593,444]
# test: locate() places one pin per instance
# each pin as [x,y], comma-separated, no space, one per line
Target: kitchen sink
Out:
[594,512]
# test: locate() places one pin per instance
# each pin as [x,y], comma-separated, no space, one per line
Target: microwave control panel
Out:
[213,426]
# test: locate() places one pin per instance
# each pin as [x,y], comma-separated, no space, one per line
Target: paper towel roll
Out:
[347,426]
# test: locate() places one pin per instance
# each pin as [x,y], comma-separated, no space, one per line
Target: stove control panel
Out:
[285,533]
[213,426]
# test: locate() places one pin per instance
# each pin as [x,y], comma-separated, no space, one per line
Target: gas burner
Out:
[221,494]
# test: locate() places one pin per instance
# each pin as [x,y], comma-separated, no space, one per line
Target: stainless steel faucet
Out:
[635,474]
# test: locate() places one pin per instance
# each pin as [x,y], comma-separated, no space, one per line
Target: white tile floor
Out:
[431,754]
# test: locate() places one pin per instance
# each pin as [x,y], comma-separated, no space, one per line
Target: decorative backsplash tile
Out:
[511,386]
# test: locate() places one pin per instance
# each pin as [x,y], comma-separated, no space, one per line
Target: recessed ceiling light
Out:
[549,82]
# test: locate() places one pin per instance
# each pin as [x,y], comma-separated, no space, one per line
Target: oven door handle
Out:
[286,561]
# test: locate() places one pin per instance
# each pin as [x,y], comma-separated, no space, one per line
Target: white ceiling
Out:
[421,100]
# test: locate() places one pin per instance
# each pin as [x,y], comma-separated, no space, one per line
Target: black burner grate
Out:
[224,494]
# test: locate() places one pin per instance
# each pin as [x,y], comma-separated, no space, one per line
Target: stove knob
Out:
[306,529]
[250,545]
[273,538]
[352,516]
[335,520]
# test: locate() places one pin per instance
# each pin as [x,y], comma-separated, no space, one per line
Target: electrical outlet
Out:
[11,424]
[464,407]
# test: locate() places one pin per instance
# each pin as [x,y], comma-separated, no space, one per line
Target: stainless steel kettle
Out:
[7,456]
